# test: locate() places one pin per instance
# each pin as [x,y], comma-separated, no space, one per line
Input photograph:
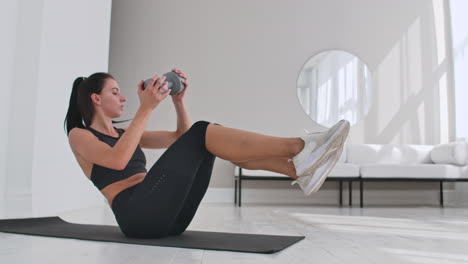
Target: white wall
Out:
[25,18]
[8,14]
[73,43]
[243,59]
[56,41]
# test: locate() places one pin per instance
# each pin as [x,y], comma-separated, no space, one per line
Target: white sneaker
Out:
[311,183]
[318,146]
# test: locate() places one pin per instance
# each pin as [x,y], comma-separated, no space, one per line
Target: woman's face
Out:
[112,101]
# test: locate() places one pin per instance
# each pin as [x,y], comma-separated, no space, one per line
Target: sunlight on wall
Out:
[421,123]
[401,84]
[388,92]
[414,129]
[441,39]
[459,30]
[443,100]
[412,42]
[403,91]
[439,25]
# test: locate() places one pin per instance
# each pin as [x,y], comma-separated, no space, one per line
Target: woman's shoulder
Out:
[78,132]
[80,129]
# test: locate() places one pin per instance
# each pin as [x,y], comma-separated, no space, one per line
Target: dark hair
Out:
[81,107]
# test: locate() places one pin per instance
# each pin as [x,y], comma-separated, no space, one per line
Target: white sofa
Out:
[387,162]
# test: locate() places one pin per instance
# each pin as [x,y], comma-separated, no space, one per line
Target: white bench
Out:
[374,162]
[342,172]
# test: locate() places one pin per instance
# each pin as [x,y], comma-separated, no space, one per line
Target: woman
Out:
[163,200]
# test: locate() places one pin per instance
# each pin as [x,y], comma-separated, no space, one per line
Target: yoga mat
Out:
[56,227]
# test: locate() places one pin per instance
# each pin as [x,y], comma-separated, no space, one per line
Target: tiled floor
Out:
[333,235]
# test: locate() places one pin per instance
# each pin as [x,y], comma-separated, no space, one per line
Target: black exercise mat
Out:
[56,227]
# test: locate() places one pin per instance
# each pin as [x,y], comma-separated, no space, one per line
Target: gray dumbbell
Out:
[173,80]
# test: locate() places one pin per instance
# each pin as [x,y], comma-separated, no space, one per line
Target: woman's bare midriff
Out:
[111,190]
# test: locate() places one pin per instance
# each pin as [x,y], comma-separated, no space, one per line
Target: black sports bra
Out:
[102,176]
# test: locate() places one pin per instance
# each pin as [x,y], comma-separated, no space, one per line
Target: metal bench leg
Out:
[361,189]
[350,191]
[341,192]
[441,193]
[235,191]
[240,190]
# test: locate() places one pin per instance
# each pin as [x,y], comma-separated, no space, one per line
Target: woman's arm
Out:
[183,120]
[126,145]
[164,139]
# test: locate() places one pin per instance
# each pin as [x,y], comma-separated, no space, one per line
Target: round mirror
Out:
[335,85]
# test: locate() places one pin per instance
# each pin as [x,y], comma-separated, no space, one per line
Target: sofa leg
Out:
[235,191]
[350,192]
[361,190]
[240,191]
[441,184]
[341,192]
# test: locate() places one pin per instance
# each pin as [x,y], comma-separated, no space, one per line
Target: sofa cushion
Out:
[432,171]
[340,170]
[389,154]
[450,153]
[246,172]
[345,170]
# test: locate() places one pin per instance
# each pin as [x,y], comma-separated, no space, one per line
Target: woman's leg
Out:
[202,179]
[156,203]
[275,164]
[195,196]
[239,145]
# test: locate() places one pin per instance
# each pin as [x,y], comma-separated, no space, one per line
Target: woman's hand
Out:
[152,95]
[180,96]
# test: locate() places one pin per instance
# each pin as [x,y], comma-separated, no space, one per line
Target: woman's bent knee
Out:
[200,127]
[203,124]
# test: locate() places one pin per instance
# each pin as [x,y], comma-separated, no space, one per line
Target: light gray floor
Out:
[333,235]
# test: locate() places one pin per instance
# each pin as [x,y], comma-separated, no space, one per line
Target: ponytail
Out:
[74,117]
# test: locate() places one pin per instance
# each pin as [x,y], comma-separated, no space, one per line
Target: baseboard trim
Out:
[296,196]
[331,197]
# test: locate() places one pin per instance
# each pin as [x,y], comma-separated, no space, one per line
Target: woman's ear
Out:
[95,98]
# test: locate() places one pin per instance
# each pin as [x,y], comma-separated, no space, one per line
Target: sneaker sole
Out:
[332,143]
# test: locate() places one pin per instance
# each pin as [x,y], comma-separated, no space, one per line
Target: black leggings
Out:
[166,201]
